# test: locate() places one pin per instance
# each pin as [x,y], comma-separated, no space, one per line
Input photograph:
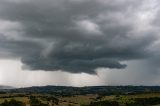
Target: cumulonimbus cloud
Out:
[76,35]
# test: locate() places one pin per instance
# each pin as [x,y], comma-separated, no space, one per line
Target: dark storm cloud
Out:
[74,35]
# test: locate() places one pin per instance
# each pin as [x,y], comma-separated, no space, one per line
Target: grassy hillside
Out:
[81,96]
[37,99]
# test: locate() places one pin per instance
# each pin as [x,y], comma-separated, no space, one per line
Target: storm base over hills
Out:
[107,40]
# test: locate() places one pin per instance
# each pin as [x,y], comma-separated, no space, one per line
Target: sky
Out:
[79,42]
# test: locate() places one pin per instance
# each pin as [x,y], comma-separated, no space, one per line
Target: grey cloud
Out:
[75,36]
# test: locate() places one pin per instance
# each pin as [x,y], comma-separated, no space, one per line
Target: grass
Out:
[22,99]
[77,100]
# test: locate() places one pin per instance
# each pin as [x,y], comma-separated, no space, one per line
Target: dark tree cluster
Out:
[12,102]
[145,101]
[54,100]
[35,102]
[104,103]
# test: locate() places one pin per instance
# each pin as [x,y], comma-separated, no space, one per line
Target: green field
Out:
[78,100]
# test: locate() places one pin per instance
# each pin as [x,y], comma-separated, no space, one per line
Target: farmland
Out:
[35,97]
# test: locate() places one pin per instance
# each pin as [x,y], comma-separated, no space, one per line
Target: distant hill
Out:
[5,87]
[103,90]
